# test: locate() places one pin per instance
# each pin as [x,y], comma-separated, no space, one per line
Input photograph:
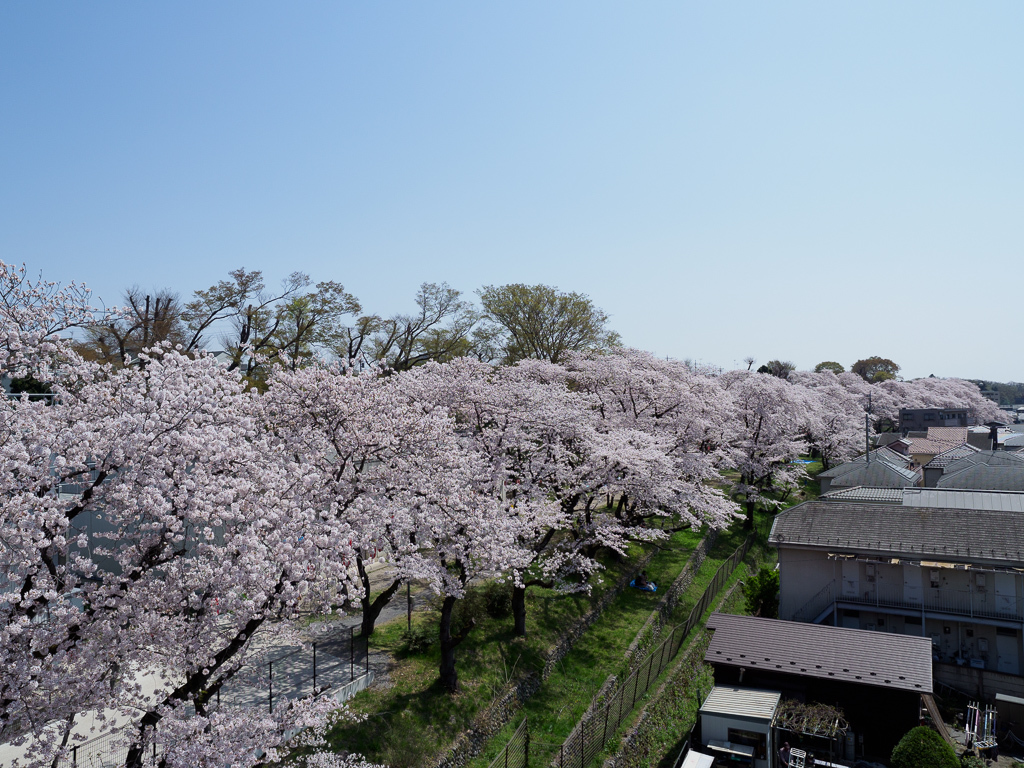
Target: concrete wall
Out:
[983,683]
[802,574]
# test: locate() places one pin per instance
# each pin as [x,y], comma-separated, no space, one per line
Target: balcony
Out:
[965,603]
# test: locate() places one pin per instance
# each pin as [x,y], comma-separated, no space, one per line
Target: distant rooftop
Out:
[992,536]
[902,662]
[948,457]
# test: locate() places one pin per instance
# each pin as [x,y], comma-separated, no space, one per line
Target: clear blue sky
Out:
[805,181]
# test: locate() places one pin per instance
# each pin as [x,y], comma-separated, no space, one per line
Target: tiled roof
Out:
[945,458]
[877,473]
[903,662]
[990,458]
[959,535]
[984,477]
[927,445]
[954,435]
[864,493]
[882,454]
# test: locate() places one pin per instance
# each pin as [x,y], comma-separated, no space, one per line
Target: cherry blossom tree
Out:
[370,444]
[151,527]
[765,435]
[834,418]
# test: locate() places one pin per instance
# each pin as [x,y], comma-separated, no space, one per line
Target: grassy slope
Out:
[413,720]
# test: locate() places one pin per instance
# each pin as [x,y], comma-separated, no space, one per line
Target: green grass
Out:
[412,721]
[671,707]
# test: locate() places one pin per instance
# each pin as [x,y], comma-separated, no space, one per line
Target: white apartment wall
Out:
[802,574]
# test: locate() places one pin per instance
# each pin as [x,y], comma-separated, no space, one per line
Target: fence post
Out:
[314,669]
[270,699]
[351,653]
[74,756]
[607,714]
[367,667]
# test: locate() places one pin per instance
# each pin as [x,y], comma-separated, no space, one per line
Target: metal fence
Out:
[516,753]
[314,670]
[587,741]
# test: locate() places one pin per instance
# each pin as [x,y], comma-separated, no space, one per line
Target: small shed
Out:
[736,725]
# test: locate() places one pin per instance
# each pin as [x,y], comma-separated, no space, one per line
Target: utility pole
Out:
[867,431]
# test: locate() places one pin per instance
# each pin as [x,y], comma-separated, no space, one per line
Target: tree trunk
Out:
[449,677]
[372,609]
[749,523]
[519,610]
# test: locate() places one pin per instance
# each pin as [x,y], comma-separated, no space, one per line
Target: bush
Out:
[972,761]
[762,593]
[498,599]
[922,747]
[418,640]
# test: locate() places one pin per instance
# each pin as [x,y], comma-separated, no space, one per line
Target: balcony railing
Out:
[967,603]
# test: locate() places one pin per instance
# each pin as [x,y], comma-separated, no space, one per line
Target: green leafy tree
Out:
[922,747]
[829,365]
[762,593]
[541,322]
[875,369]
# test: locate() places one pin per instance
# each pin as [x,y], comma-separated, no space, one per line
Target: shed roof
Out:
[993,537]
[741,702]
[902,662]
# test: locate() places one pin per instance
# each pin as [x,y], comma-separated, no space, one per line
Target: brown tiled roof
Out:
[954,435]
[929,445]
[814,650]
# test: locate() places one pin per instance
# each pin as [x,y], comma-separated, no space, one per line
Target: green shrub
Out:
[498,599]
[922,747]
[972,761]
[762,593]
[418,640]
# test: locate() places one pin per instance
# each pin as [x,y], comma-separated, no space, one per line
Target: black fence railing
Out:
[587,741]
[317,669]
[516,753]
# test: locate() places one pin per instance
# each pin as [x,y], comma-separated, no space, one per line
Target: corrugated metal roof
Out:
[864,493]
[951,498]
[960,535]
[741,702]
[879,659]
